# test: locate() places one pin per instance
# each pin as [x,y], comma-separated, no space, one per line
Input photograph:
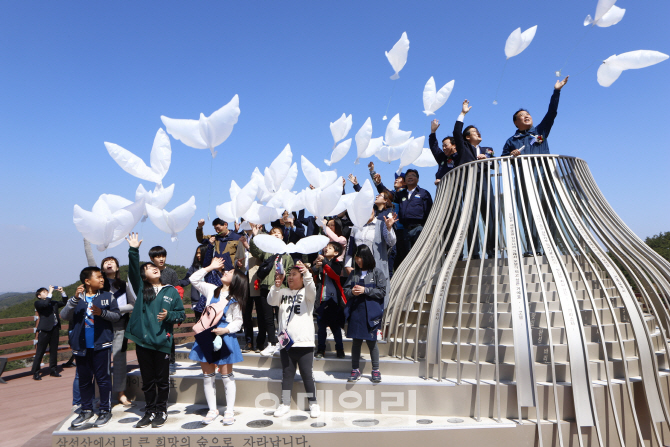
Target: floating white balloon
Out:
[613,66]
[518,41]
[602,8]
[106,224]
[241,200]
[158,198]
[387,154]
[206,132]
[340,128]
[398,55]
[262,214]
[360,209]
[278,170]
[314,176]
[262,192]
[306,245]
[433,100]
[339,152]
[395,136]
[611,17]
[161,154]
[174,221]
[362,138]
[322,202]
[426,159]
[411,153]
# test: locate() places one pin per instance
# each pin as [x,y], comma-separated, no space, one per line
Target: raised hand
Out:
[434,125]
[134,240]
[216,264]
[437,181]
[237,227]
[352,178]
[559,84]
[466,107]
[212,239]
[390,219]
[79,291]
[377,179]
[255,229]
[301,267]
[201,223]
[371,166]
[51,289]
[244,242]
[279,279]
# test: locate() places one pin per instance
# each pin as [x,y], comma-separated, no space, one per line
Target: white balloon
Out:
[322,202]
[174,221]
[362,138]
[339,152]
[261,214]
[262,192]
[398,55]
[278,170]
[344,203]
[207,132]
[107,204]
[341,127]
[306,245]
[361,207]
[291,177]
[103,226]
[161,154]
[434,100]
[375,145]
[611,17]
[613,66]
[315,176]
[395,136]
[387,154]
[411,153]
[603,7]
[159,197]
[241,200]
[518,41]
[426,159]
[287,200]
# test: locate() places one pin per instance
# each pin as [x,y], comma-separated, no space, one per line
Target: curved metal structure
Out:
[545,326]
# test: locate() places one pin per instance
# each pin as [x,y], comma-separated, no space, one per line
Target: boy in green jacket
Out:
[157,308]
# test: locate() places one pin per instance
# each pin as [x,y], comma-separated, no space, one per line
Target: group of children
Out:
[103,314]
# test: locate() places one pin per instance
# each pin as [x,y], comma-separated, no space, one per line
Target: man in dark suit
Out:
[446,158]
[48,329]
[468,147]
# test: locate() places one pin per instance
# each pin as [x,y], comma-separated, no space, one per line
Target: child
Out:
[157,307]
[158,256]
[296,305]
[48,328]
[265,314]
[92,312]
[364,290]
[232,295]
[328,268]
[196,265]
[114,284]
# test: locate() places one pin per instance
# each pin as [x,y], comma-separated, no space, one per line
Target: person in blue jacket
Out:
[364,290]
[92,312]
[530,139]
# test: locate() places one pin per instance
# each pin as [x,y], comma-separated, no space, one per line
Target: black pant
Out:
[155,370]
[248,322]
[356,352]
[303,358]
[95,364]
[172,352]
[400,247]
[266,320]
[44,339]
[473,227]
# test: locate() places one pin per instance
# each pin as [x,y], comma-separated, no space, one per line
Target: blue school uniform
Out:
[230,340]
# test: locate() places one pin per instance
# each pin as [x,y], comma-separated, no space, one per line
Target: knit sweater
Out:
[301,323]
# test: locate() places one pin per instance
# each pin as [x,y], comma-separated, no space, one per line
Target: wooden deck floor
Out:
[31,410]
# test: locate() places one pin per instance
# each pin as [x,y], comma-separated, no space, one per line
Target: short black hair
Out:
[157,251]
[218,221]
[40,290]
[337,247]
[450,139]
[364,252]
[517,112]
[87,272]
[466,131]
[412,170]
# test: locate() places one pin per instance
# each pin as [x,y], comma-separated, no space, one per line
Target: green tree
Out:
[660,244]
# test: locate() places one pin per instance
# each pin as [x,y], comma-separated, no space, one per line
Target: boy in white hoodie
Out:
[296,307]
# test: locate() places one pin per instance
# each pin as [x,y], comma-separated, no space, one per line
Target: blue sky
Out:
[75,74]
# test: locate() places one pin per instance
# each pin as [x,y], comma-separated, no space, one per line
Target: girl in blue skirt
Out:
[232,290]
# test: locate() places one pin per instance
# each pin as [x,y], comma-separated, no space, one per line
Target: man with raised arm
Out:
[447,157]
[530,139]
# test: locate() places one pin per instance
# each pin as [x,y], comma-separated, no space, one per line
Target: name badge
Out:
[450,165]
[404,198]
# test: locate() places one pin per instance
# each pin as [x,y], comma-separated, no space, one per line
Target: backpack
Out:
[267,266]
[210,316]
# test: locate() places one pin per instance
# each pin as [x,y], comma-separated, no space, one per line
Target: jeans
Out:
[76,395]
[356,352]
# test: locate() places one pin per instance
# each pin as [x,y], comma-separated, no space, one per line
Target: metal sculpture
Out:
[552,285]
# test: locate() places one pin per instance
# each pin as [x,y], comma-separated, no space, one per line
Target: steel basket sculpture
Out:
[545,319]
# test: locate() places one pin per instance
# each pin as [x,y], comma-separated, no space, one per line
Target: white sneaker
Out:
[314,411]
[282,410]
[210,417]
[269,350]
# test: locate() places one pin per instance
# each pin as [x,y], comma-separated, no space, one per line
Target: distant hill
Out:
[11,298]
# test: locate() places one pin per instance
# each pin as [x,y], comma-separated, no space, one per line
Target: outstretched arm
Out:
[548,121]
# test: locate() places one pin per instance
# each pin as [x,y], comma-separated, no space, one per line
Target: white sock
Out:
[210,390]
[231,389]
